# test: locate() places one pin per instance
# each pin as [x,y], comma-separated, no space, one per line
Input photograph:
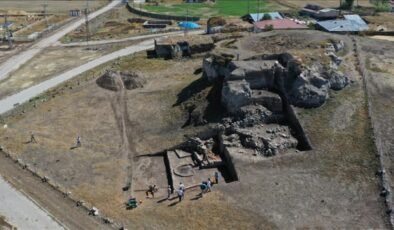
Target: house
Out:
[176,47]
[350,23]
[280,24]
[319,13]
[260,16]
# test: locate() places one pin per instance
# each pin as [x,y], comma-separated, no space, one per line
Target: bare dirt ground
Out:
[332,186]
[53,61]
[111,25]
[379,58]
[383,19]
[54,6]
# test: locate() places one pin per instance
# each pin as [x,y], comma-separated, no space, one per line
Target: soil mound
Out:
[116,81]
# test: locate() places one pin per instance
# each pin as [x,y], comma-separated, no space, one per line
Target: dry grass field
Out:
[332,186]
[54,6]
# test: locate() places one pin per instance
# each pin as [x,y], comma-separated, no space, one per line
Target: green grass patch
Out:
[220,8]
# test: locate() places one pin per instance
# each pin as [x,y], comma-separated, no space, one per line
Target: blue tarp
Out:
[188,25]
[258,16]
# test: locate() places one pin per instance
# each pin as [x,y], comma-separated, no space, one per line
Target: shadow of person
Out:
[173,203]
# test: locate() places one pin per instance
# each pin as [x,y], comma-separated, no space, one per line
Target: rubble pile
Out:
[115,81]
[301,86]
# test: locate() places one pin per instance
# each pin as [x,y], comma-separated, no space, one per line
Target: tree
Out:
[347,5]
[266,17]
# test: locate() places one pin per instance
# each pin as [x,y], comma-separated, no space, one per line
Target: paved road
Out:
[10,102]
[16,61]
[16,205]
[22,212]
[133,38]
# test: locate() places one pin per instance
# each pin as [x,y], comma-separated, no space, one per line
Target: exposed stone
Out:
[236,94]
[271,101]
[336,79]
[259,74]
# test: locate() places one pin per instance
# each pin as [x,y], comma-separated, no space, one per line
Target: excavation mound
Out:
[116,81]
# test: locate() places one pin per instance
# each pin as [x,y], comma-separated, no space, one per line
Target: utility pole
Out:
[87,22]
[45,5]
[8,34]
[187,18]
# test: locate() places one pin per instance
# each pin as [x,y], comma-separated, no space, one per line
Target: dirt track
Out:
[51,200]
[127,149]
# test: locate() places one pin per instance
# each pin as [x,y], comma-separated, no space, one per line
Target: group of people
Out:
[34,141]
[205,186]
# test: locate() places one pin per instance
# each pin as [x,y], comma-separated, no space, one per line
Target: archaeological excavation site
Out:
[145,124]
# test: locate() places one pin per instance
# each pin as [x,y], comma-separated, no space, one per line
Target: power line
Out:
[87,22]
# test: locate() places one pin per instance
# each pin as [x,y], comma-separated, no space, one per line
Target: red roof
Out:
[280,24]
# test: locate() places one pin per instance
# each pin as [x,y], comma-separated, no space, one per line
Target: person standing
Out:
[33,138]
[79,144]
[180,193]
[209,185]
[169,190]
[217,177]
[181,186]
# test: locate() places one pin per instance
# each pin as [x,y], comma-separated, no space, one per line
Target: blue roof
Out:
[343,25]
[258,16]
[355,18]
[189,25]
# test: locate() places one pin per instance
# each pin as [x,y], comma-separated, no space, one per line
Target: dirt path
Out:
[62,209]
[127,149]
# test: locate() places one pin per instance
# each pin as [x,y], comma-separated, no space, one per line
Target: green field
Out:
[220,8]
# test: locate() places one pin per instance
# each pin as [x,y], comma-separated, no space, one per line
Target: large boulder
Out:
[236,94]
[307,95]
[336,79]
